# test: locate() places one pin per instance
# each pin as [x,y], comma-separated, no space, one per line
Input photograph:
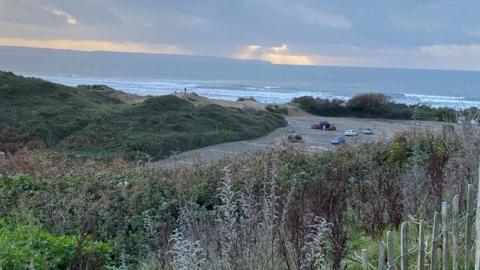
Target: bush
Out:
[326,107]
[246,99]
[370,103]
[277,109]
[27,246]
[374,105]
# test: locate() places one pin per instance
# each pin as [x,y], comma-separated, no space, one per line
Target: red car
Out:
[331,127]
[316,126]
[323,125]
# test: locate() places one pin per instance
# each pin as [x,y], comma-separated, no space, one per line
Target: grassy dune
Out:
[94,121]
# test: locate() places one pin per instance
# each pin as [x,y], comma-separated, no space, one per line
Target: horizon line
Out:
[236,59]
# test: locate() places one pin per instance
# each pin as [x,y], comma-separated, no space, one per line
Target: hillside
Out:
[97,121]
[167,124]
[37,111]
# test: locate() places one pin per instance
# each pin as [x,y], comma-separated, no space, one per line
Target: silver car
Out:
[367,131]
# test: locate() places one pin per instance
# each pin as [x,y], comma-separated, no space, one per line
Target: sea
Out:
[436,88]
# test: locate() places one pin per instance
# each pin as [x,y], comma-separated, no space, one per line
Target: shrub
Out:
[370,103]
[277,109]
[326,107]
[375,105]
[246,99]
[27,246]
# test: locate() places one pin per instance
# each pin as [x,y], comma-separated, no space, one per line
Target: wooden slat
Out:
[477,227]
[468,226]
[435,239]
[381,257]
[455,233]
[365,259]
[421,246]
[444,236]
[390,255]
[404,246]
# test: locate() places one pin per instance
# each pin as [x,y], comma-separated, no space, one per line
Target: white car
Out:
[351,133]
[367,131]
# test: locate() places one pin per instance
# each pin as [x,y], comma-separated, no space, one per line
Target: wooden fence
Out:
[443,249]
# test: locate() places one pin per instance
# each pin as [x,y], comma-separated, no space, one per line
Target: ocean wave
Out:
[267,93]
[437,101]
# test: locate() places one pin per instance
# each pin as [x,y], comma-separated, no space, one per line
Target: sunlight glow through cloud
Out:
[93,45]
[275,55]
[69,19]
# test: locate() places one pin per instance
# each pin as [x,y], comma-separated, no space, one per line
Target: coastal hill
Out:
[100,122]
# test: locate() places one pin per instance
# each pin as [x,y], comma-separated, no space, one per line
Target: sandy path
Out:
[313,140]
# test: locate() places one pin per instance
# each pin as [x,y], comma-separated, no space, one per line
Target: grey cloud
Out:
[48,12]
[223,27]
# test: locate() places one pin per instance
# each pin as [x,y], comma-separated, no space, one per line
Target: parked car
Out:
[367,131]
[316,126]
[324,125]
[331,127]
[320,124]
[294,138]
[338,140]
[351,132]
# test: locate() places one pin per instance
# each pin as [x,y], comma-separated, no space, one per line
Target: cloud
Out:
[55,13]
[349,32]
[472,50]
[453,52]
[94,45]
[69,19]
[275,55]
[472,31]
[320,18]
[451,56]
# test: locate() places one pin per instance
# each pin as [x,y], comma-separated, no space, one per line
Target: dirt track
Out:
[314,140]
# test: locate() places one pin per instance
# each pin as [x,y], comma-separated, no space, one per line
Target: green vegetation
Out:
[34,111]
[94,121]
[265,211]
[246,99]
[372,105]
[29,246]
[162,125]
[285,208]
[277,109]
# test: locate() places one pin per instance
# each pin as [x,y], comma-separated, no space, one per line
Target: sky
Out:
[434,34]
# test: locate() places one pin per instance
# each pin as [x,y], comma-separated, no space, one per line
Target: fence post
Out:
[468,226]
[435,234]
[444,236]
[477,228]
[455,235]
[381,257]
[404,246]
[390,257]
[365,259]
[421,246]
